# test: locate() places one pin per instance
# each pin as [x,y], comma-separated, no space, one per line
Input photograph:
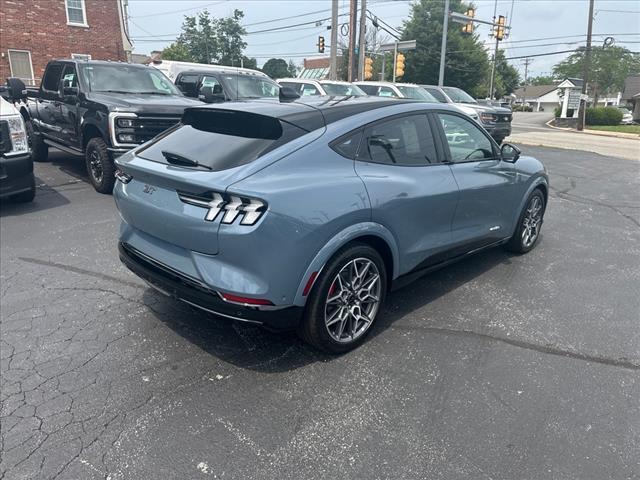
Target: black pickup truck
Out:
[99,110]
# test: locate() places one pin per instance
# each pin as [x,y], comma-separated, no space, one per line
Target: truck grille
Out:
[148,127]
[5,138]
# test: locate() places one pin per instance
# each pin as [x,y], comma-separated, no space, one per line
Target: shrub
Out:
[603,116]
[522,108]
[557,111]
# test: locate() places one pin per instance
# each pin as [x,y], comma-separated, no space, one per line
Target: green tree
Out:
[467,63]
[177,51]
[293,69]
[206,39]
[542,80]
[249,62]
[610,66]
[507,77]
[276,68]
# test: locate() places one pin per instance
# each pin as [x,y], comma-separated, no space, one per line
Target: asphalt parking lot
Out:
[499,367]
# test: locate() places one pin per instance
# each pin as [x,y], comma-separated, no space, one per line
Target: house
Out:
[540,97]
[35,31]
[315,68]
[631,94]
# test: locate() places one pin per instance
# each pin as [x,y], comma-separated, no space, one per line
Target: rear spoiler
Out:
[233,122]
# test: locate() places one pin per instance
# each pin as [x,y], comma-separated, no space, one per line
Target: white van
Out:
[171,68]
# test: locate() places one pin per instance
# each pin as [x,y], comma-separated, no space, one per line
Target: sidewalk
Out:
[628,148]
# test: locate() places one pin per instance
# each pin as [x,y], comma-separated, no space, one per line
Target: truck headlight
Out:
[126,122]
[122,126]
[487,117]
[18,134]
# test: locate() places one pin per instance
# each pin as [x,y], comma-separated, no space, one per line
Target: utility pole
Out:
[527,61]
[353,13]
[582,111]
[362,42]
[333,72]
[493,69]
[443,44]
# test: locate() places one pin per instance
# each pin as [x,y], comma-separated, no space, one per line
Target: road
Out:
[498,367]
[529,128]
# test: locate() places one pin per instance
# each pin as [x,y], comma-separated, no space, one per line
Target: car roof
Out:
[313,112]
[376,84]
[225,72]
[99,62]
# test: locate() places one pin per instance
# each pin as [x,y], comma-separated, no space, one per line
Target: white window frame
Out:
[81,56]
[33,80]
[84,15]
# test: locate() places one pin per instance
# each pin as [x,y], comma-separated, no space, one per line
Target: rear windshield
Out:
[250,86]
[417,93]
[342,89]
[219,140]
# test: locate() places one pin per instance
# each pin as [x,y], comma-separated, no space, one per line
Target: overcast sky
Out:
[155,23]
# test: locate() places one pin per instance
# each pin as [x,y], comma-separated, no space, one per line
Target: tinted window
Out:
[466,140]
[399,141]
[369,89]
[458,95]
[342,89]
[51,78]
[295,86]
[417,93]
[437,94]
[348,147]
[223,139]
[251,86]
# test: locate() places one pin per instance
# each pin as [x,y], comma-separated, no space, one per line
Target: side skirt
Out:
[413,275]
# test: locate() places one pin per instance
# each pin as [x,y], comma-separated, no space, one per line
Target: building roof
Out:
[631,87]
[534,91]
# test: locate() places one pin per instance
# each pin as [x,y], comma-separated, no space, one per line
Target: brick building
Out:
[32,32]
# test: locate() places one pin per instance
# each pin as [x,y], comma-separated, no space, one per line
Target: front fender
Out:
[337,242]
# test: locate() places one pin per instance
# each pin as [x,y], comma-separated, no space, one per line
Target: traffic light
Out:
[500,27]
[399,65]
[368,68]
[468,27]
[321,44]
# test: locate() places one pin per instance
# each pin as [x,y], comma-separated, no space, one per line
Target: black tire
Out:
[100,167]
[26,196]
[39,149]
[313,328]
[517,242]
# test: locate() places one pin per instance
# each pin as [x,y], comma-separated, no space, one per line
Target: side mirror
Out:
[288,94]
[16,89]
[212,94]
[509,153]
[70,91]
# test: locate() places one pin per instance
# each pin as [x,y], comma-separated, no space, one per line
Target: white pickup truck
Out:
[17,182]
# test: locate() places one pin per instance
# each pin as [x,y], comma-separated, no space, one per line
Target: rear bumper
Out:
[16,174]
[195,293]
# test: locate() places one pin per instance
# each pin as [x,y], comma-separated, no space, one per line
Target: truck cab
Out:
[99,110]
[226,84]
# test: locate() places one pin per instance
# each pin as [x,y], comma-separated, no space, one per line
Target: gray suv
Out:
[495,120]
[304,214]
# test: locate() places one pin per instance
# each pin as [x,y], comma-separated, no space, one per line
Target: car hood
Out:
[144,103]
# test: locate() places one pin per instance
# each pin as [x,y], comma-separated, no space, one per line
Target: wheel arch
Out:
[370,233]
[89,131]
[539,183]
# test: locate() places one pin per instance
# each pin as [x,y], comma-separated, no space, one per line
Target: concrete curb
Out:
[534,143]
[632,136]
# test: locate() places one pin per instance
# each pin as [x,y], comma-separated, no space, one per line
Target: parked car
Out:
[396,90]
[304,214]
[226,85]
[16,166]
[495,120]
[308,87]
[627,116]
[99,110]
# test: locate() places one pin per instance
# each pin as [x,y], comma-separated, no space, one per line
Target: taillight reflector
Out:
[307,287]
[245,300]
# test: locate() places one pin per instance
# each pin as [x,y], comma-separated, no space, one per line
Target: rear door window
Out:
[405,140]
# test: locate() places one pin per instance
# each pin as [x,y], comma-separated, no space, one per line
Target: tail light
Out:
[249,209]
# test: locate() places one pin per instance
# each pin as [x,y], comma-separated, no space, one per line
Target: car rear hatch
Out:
[174,187]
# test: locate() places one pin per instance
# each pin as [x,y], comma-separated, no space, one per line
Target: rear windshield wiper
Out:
[177,159]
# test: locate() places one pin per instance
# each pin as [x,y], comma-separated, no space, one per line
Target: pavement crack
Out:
[621,362]
[572,197]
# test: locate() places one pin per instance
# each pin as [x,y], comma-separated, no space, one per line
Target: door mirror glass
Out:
[70,91]
[213,94]
[510,153]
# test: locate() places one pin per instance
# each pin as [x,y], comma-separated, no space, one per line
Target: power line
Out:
[180,10]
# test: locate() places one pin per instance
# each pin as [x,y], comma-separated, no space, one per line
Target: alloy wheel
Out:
[353,300]
[532,222]
[96,166]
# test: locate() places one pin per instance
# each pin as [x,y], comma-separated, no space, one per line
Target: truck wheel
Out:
[39,149]
[99,166]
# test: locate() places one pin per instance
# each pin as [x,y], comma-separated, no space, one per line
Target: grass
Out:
[616,128]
